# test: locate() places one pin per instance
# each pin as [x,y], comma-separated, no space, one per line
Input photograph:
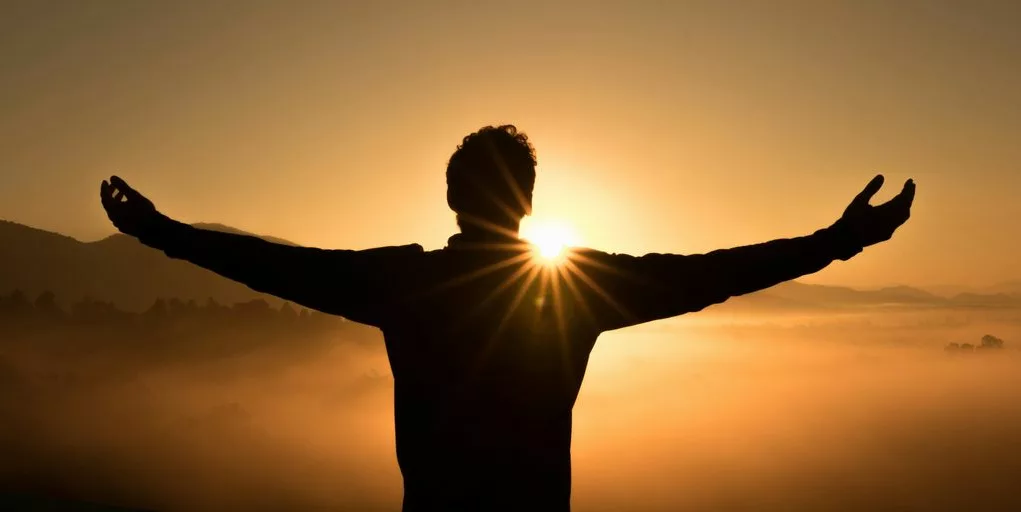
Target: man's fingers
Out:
[123,187]
[898,209]
[870,190]
[907,194]
[905,198]
[118,182]
[106,194]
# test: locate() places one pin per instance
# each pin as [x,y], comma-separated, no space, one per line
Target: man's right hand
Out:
[869,224]
[132,213]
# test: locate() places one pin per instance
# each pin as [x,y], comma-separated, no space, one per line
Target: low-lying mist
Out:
[709,412]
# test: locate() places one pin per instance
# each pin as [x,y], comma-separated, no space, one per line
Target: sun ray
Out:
[491,226]
[558,310]
[585,278]
[515,187]
[580,299]
[566,277]
[493,294]
[512,307]
[581,257]
[480,272]
[511,279]
[522,291]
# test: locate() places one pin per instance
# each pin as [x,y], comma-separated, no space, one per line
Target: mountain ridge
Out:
[116,269]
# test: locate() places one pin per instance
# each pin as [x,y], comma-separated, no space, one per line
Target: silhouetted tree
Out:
[990,341]
[16,304]
[89,310]
[176,308]
[287,313]
[254,310]
[46,305]
[165,320]
[157,312]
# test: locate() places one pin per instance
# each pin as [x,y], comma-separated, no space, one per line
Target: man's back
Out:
[488,358]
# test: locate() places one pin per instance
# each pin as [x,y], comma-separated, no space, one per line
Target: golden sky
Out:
[659,126]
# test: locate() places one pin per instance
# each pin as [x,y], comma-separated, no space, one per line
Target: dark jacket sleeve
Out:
[621,290]
[357,285]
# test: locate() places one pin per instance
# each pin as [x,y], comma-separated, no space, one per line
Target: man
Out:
[488,344]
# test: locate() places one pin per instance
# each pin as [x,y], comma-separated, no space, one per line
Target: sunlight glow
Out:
[550,238]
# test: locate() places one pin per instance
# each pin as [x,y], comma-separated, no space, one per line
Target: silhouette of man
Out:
[488,345]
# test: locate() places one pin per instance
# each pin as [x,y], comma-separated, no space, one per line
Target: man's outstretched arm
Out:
[627,290]
[346,283]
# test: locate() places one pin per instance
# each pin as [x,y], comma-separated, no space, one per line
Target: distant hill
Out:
[228,229]
[800,296]
[121,270]
[1005,288]
[117,269]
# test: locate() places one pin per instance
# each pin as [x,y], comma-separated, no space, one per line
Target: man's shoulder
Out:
[395,250]
[583,255]
[391,257]
[583,251]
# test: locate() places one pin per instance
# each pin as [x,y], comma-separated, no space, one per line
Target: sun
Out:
[551,238]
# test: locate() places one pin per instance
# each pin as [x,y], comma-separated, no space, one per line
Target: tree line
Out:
[988,342]
[19,306]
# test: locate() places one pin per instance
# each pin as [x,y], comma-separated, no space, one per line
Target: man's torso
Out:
[488,349]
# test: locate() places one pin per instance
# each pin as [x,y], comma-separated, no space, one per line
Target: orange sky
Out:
[659,126]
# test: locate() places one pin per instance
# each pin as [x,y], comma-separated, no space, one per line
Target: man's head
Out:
[490,179]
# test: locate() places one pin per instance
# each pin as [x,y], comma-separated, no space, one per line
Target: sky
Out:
[659,126]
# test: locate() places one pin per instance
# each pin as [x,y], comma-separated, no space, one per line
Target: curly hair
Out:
[491,175]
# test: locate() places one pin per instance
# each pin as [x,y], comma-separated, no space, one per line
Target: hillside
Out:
[796,296]
[117,269]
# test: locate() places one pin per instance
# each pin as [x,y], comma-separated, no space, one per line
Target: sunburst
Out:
[551,239]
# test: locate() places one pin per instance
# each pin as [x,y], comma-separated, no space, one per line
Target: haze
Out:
[835,412]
